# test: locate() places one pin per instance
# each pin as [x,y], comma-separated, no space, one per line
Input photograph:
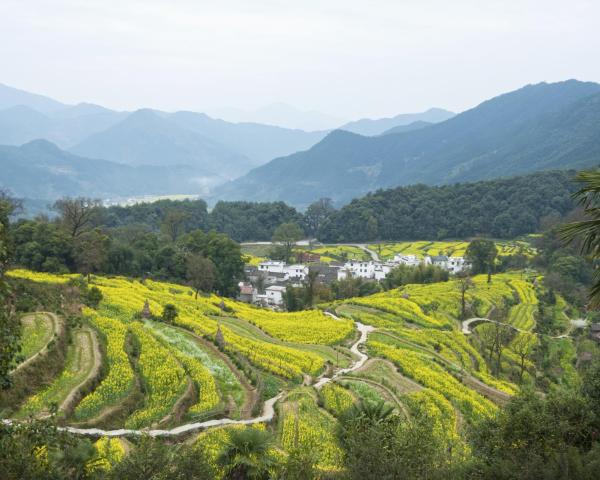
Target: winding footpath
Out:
[267,414]
[466,327]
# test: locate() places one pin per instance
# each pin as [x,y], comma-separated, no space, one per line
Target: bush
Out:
[93,297]
[169,313]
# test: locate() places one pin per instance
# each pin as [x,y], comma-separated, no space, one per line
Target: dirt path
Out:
[91,356]
[362,357]
[466,328]
[57,327]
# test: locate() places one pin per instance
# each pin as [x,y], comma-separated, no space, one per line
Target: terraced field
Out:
[37,331]
[157,375]
[178,372]
[82,361]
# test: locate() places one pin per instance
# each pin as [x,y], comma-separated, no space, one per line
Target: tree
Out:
[523,346]
[372,228]
[173,223]
[301,463]
[201,273]
[481,254]
[293,299]
[587,231]
[372,412]
[464,284]
[316,213]
[494,337]
[534,436]
[94,297]
[169,313]
[90,251]
[10,331]
[225,254]
[155,459]
[380,445]
[591,383]
[436,212]
[405,274]
[287,234]
[310,287]
[76,214]
[43,246]
[247,455]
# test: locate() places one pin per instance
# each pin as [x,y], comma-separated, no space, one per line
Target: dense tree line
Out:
[242,221]
[502,208]
[245,221]
[78,239]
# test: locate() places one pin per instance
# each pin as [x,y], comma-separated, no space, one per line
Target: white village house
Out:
[274,295]
[372,270]
[451,264]
[410,260]
[295,272]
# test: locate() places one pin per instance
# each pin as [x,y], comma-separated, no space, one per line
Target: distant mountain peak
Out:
[41,144]
[372,127]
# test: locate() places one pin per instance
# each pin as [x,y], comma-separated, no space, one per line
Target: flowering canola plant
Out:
[422,369]
[309,326]
[120,378]
[164,378]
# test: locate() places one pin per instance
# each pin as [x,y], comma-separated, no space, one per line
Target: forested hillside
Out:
[499,208]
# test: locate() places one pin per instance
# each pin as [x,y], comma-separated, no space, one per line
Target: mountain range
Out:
[282,115]
[146,136]
[91,150]
[210,150]
[538,127]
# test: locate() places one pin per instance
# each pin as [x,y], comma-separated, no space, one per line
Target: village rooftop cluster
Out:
[267,282]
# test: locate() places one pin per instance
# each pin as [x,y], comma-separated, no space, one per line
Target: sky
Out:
[347,58]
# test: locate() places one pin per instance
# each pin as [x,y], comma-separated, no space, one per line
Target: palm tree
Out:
[247,455]
[372,412]
[587,231]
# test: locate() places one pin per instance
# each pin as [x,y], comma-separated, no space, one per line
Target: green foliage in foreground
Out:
[534,437]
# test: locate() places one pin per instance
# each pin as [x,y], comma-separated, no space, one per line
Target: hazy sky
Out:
[345,57]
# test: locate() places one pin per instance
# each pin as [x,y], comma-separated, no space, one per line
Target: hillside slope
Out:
[146,138]
[40,170]
[538,127]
